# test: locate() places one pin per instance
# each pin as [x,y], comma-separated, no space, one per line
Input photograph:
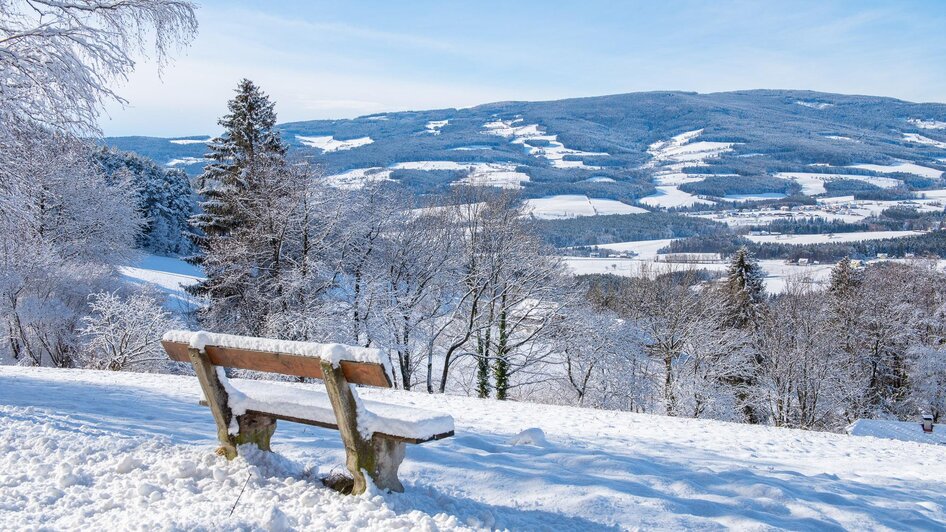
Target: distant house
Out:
[898,430]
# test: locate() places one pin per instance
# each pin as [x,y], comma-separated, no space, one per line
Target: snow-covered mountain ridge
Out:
[621,146]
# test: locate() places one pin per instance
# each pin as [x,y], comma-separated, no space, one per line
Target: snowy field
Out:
[921,139]
[812,183]
[898,430]
[670,158]
[503,175]
[831,238]
[328,143]
[185,161]
[840,208]
[167,275]
[927,124]
[815,105]
[185,142]
[539,143]
[358,178]
[575,205]
[753,197]
[904,168]
[100,450]
[643,249]
[778,273]
[671,196]
[434,126]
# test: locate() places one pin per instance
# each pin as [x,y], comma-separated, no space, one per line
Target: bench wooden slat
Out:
[283,363]
[333,426]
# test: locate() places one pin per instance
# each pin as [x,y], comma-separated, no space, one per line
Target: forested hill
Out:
[605,146]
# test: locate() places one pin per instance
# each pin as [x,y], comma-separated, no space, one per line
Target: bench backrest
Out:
[367,373]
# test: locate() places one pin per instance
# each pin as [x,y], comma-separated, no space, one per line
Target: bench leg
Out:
[257,429]
[216,396]
[379,457]
[388,456]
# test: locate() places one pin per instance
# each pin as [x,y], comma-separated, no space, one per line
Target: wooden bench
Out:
[374,434]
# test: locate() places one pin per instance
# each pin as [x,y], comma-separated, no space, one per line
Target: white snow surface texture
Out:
[121,451]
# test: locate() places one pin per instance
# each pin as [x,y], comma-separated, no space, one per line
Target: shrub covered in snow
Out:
[125,333]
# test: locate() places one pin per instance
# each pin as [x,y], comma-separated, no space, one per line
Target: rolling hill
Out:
[658,149]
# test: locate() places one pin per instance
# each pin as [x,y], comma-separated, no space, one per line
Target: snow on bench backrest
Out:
[360,365]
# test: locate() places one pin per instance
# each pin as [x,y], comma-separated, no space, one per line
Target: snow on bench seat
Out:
[297,404]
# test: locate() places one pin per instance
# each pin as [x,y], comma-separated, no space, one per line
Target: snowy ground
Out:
[358,178]
[927,124]
[812,183]
[671,196]
[503,175]
[575,205]
[643,249]
[167,275]
[898,430]
[778,273]
[328,143]
[753,197]
[841,208]
[815,105]
[671,158]
[434,126]
[906,168]
[185,161]
[920,139]
[99,450]
[831,238]
[190,141]
[542,144]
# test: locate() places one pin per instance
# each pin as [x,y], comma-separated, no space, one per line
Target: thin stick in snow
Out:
[240,495]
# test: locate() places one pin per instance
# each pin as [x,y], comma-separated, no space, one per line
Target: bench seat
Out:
[310,406]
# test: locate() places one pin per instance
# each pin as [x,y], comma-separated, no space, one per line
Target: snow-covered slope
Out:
[97,450]
[575,205]
[168,275]
[897,430]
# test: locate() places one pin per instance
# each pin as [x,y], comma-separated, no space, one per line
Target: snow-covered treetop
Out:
[58,58]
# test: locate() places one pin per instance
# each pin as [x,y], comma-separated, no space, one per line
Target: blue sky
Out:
[348,58]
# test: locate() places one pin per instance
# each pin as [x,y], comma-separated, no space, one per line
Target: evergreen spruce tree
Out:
[845,279]
[248,144]
[744,300]
[744,291]
[848,309]
[165,200]
[249,138]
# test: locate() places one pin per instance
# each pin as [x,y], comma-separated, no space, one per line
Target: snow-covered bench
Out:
[374,434]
